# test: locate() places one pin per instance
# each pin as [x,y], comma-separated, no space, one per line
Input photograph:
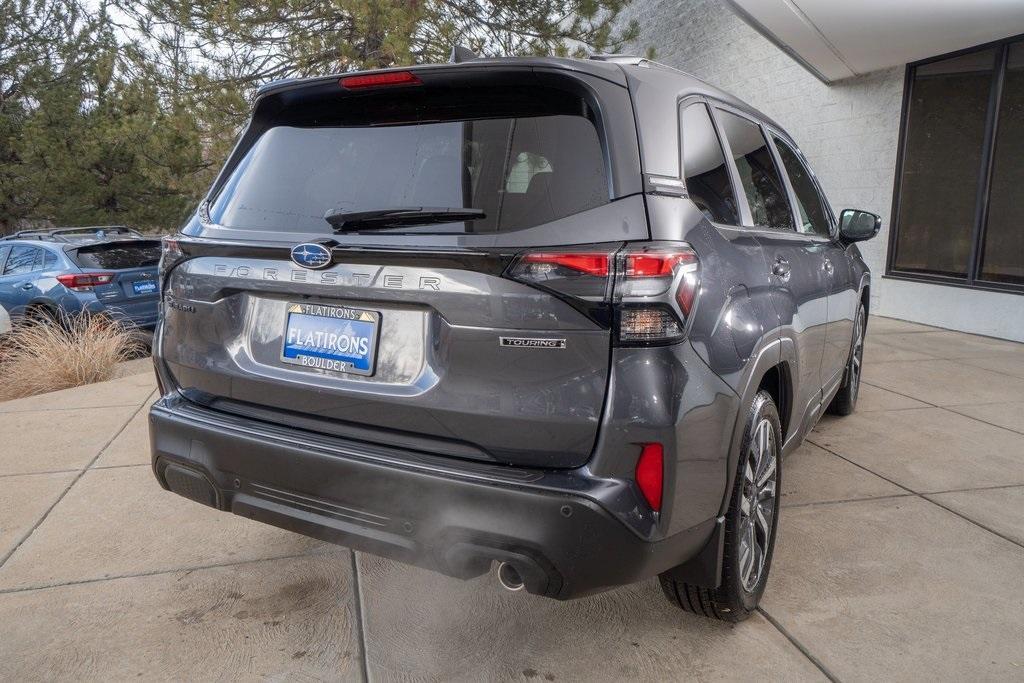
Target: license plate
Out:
[144,287]
[335,338]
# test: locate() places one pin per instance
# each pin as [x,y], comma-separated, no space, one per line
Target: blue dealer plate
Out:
[335,338]
[144,287]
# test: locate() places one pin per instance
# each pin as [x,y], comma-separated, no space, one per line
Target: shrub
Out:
[46,356]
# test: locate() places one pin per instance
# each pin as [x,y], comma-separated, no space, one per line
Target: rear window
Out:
[119,255]
[522,169]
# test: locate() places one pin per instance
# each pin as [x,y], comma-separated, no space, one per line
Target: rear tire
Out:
[750,525]
[845,400]
[41,315]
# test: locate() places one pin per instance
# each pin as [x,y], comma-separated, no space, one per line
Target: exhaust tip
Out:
[509,578]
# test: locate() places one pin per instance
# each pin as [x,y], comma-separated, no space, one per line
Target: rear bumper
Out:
[407,507]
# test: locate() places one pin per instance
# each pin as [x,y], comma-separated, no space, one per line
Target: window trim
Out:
[981,207]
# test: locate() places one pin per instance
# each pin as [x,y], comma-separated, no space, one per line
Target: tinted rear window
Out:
[119,256]
[522,169]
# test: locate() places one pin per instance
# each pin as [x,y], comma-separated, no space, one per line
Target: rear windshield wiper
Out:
[400,216]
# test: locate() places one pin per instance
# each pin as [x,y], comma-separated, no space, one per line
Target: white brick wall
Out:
[849,132]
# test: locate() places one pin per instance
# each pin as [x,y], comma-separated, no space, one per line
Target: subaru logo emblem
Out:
[311,255]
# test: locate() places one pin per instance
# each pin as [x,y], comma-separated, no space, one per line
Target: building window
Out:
[955,216]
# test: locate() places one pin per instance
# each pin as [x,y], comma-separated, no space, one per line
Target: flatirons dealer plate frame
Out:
[327,355]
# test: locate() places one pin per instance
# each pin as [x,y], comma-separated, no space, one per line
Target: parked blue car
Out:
[50,274]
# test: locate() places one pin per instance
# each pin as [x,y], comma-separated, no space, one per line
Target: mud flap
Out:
[705,568]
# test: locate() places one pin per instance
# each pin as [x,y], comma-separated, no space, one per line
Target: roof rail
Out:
[617,58]
[61,234]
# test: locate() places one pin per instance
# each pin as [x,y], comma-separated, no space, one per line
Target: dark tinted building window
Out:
[762,183]
[813,219]
[707,177]
[941,161]
[960,213]
[23,260]
[1003,255]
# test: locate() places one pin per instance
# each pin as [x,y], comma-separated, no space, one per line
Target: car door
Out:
[799,289]
[18,279]
[815,219]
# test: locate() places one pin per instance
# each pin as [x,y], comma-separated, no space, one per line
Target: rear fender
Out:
[769,355]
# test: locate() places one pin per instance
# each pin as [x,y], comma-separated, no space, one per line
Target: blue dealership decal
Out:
[310,255]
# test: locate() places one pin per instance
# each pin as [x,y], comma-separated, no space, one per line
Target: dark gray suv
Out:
[565,316]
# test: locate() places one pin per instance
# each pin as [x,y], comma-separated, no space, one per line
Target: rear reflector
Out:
[650,474]
[81,282]
[379,80]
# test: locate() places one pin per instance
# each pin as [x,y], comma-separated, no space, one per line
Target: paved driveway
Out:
[901,556]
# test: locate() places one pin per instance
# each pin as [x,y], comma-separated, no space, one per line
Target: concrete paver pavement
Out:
[901,548]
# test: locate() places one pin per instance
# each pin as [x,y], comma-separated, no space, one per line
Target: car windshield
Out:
[520,171]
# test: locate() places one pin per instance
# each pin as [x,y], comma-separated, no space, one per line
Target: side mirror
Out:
[856,225]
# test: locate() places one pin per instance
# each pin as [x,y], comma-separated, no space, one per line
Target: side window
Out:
[49,260]
[4,250]
[23,260]
[813,219]
[766,193]
[707,177]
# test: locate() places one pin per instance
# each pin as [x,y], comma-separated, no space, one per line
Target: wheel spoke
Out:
[763,519]
[748,472]
[745,506]
[767,471]
[748,558]
[768,490]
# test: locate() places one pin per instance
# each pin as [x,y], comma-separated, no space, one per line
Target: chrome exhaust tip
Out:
[509,578]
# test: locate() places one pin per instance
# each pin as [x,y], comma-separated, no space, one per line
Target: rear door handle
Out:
[781,268]
[27,285]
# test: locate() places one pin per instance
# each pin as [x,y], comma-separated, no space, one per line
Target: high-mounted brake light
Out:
[83,282]
[388,78]
[650,474]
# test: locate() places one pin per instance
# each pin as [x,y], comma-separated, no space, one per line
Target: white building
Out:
[912,109]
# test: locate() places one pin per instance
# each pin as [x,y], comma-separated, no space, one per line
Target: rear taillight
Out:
[650,474]
[581,275]
[170,255]
[649,290]
[388,78]
[83,282]
[656,288]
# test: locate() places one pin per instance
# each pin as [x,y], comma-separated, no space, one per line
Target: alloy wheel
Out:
[757,504]
[857,358]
